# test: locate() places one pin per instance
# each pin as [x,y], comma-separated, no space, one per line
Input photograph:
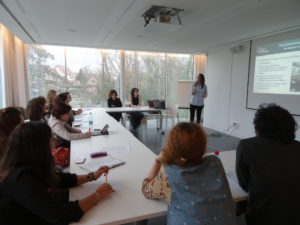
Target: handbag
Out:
[61,156]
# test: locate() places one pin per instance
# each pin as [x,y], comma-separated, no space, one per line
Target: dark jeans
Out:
[117,116]
[194,108]
[136,118]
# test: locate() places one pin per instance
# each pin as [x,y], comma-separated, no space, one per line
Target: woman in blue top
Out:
[194,184]
[199,92]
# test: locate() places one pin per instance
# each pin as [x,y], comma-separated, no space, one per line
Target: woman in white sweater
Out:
[63,132]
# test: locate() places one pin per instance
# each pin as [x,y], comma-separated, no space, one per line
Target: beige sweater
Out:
[65,131]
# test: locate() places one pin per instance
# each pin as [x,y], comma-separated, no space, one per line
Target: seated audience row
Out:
[30,186]
[193,183]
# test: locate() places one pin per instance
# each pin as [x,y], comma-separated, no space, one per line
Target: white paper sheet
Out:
[94,164]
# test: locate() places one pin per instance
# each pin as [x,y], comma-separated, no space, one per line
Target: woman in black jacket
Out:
[114,101]
[31,190]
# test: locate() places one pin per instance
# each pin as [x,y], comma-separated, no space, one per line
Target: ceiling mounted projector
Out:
[163,15]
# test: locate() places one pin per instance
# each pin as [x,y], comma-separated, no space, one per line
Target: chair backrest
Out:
[174,110]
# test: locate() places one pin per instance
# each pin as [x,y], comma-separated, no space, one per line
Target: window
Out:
[111,71]
[46,70]
[151,75]
[179,67]
[131,76]
[87,73]
[2,92]
[83,72]
[90,73]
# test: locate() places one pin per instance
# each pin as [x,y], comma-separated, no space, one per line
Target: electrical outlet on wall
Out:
[236,124]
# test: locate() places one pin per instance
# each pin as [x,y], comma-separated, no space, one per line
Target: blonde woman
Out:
[51,97]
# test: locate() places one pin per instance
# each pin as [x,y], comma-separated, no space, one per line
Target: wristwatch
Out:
[91,177]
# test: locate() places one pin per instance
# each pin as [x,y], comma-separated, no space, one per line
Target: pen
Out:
[105,178]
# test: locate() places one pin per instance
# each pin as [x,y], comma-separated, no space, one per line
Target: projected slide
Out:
[277,68]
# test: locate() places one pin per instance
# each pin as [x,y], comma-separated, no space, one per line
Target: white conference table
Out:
[127,204]
[138,109]
[228,161]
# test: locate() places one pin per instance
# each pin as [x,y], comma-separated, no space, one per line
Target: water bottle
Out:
[91,127]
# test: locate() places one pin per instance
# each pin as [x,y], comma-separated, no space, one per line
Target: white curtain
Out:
[15,58]
[200,64]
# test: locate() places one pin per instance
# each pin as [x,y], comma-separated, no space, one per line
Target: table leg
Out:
[161,123]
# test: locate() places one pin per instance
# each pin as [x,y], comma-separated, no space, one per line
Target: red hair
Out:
[185,146]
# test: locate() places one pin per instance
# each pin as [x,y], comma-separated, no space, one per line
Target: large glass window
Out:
[83,72]
[111,70]
[87,73]
[131,75]
[90,73]
[151,75]
[179,67]
[46,70]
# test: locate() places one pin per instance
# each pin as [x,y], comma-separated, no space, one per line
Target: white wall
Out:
[226,78]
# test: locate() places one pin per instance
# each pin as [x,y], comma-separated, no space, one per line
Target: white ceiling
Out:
[118,23]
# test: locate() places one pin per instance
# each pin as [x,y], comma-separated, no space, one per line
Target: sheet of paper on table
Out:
[94,164]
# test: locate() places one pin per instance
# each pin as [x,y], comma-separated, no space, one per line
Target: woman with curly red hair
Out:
[194,185]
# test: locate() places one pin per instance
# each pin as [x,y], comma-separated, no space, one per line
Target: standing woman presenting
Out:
[199,93]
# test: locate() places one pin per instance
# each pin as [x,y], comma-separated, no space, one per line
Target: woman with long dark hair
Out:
[64,133]
[30,187]
[66,98]
[135,100]
[199,93]
[9,118]
[36,109]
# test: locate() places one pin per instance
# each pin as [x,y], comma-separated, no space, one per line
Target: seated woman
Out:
[66,98]
[30,189]
[63,131]
[36,109]
[194,185]
[51,98]
[9,118]
[113,101]
[267,167]
[135,100]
